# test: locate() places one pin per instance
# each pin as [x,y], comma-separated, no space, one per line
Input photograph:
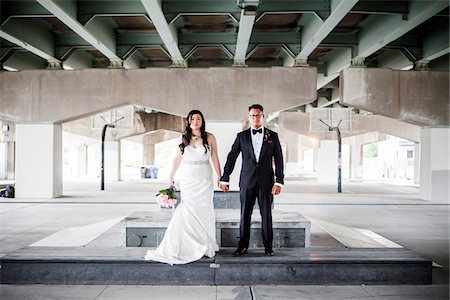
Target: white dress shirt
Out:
[257,141]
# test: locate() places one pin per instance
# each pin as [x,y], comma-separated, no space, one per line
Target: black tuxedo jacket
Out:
[253,172]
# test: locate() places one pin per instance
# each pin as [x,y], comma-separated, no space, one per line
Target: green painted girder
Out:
[10,9]
[321,7]
[173,8]
[86,10]
[70,40]
[138,39]
[340,39]
[65,44]
[407,40]
[199,6]
[276,38]
[6,52]
[187,49]
[381,7]
[129,42]
[222,6]
[231,38]
[207,38]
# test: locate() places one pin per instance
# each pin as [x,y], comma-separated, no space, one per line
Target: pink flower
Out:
[166,197]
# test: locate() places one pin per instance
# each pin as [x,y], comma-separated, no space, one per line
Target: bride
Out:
[191,233]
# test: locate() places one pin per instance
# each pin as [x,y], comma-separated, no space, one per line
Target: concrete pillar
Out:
[416,162]
[10,160]
[356,143]
[7,149]
[327,157]
[356,161]
[119,160]
[291,153]
[112,160]
[225,134]
[3,160]
[148,154]
[316,159]
[435,164]
[39,160]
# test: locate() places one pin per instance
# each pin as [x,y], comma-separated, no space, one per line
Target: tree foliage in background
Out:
[371,150]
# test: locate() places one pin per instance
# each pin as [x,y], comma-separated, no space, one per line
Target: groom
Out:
[260,148]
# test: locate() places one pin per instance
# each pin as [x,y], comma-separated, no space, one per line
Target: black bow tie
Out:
[257,130]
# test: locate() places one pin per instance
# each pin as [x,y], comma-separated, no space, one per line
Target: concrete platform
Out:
[391,210]
[126,265]
[290,229]
[228,200]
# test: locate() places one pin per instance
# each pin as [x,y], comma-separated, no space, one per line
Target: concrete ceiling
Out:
[327,34]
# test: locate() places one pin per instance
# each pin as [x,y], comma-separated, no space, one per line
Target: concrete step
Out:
[290,229]
[228,200]
[126,265]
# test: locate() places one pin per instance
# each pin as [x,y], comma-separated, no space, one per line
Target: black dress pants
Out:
[265,199]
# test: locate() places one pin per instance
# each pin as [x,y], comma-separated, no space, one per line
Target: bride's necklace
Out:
[195,138]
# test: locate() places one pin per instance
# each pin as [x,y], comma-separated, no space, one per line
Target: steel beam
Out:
[316,31]
[168,33]
[35,50]
[245,31]
[379,31]
[63,15]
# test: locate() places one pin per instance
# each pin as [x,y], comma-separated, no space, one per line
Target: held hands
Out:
[224,187]
[276,189]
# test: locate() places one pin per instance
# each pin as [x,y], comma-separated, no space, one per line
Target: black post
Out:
[102,176]
[339,188]
[339,159]
[102,179]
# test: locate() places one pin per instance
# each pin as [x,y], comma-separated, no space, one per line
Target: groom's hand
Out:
[276,189]
[224,187]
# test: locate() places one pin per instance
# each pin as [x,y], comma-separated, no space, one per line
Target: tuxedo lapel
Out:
[249,140]
[264,144]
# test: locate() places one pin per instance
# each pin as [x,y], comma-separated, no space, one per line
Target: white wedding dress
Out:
[191,233]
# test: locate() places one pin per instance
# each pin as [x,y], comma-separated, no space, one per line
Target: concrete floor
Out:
[393,211]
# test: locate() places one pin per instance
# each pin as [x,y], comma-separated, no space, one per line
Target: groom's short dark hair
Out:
[255,106]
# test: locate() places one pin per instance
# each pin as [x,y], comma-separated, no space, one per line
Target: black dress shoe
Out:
[240,251]
[269,251]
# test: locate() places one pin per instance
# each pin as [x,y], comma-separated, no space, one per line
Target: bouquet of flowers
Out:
[167,197]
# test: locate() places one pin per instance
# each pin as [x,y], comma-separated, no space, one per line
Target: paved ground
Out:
[393,211]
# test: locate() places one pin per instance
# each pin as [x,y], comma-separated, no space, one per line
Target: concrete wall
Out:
[299,122]
[55,96]
[435,164]
[39,161]
[416,97]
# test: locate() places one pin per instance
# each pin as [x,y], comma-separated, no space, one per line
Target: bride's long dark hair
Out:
[187,135]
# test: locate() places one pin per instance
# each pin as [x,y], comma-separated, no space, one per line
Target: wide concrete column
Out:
[356,151]
[416,162]
[148,150]
[435,164]
[149,154]
[7,158]
[308,153]
[112,160]
[38,161]
[327,162]
[225,134]
[291,142]
[356,161]
[416,97]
